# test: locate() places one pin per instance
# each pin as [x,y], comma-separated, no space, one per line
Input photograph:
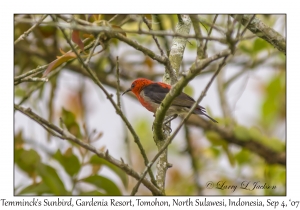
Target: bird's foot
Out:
[167,127]
[170,118]
[167,121]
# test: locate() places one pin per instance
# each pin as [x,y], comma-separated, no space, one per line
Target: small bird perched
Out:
[150,94]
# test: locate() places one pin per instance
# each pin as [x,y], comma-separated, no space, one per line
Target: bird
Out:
[150,94]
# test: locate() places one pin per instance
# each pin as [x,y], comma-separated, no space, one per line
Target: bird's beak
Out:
[126,91]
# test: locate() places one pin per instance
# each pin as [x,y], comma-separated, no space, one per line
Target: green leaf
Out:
[246,48]
[20,92]
[230,156]
[103,183]
[36,189]
[259,45]
[27,160]
[68,160]
[243,157]
[51,179]
[70,122]
[274,104]
[96,160]
[215,151]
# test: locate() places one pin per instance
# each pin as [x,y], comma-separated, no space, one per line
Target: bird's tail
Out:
[210,118]
[201,110]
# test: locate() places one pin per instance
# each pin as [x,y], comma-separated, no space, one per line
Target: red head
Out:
[138,85]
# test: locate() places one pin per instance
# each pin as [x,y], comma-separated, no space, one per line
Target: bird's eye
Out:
[132,86]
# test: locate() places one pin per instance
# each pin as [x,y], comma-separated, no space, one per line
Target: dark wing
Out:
[185,100]
[156,92]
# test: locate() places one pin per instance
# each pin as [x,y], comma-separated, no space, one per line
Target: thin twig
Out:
[34,79]
[238,18]
[214,26]
[107,29]
[154,37]
[246,26]
[157,20]
[260,29]
[34,72]
[113,18]
[223,99]
[93,49]
[38,86]
[195,21]
[139,47]
[209,32]
[118,83]
[26,33]
[194,159]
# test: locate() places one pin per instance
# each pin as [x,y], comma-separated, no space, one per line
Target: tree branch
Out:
[170,77]
[154,37]
[265,32]
[107,30]
[26,33]
[271,156]
[200,45]
[194,160]
[177,48]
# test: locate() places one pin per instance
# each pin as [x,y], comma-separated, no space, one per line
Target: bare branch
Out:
[194,160]
[154,37]
[108,30]
[271,156]
[26,33]
[265,32]
[19,79]
[200,46]
[177,48]
[210,30]
[139,47]
[118,84]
